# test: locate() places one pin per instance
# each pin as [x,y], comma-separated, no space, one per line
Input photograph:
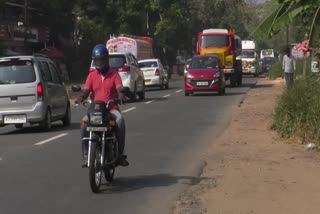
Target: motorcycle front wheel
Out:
[95,169]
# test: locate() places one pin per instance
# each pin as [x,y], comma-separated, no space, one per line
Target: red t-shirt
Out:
[104,88]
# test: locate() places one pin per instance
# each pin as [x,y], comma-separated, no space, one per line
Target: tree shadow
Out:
[128,184]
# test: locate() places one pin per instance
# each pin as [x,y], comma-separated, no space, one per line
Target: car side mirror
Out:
[76,88]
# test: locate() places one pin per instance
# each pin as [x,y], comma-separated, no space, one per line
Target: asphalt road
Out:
[166,137]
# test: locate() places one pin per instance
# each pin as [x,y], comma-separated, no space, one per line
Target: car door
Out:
[139,74]
[61,98]
[163,72]
[49,87]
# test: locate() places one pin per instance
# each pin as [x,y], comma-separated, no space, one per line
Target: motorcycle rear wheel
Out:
[95,169]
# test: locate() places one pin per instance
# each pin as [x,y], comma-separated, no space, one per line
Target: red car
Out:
[205,74]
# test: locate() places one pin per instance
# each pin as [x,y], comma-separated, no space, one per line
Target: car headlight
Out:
[228,64]
[216,74]
[96,120]
[188,75]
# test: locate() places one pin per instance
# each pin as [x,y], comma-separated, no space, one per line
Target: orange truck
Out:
[227,46]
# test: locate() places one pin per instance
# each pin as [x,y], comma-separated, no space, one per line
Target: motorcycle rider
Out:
[104,84]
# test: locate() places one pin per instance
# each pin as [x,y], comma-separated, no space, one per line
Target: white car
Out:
[154,73]
[130,73]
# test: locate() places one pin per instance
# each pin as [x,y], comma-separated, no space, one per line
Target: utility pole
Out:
[26,24]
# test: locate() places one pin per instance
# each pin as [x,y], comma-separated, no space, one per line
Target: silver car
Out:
[32,91]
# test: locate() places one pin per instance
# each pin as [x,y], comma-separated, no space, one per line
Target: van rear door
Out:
[18,87]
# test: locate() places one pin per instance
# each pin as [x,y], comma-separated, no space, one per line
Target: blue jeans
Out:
[289,79]
[120,134]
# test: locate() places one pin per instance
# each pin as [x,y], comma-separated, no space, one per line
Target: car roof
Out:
[24,57]
[118,53]
[148,60]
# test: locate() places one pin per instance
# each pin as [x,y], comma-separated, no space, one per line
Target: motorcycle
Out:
[103,152]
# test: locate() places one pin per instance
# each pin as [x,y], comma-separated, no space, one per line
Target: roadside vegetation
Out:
[298,111]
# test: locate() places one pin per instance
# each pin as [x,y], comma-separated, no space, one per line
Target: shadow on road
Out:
[128,184]
[155,88]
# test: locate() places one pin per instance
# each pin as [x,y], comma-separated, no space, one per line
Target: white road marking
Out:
[149,102]
[168,95]
[179,91]
[51,139]
[130,109]
[0,159]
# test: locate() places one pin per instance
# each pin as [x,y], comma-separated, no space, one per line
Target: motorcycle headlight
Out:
[96,120]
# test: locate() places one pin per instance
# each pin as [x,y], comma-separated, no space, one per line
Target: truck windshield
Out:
[215,41]
[247,53]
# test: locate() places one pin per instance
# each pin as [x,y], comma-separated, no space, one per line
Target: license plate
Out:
[12,119]
[202,83]
[245,70]
[97,129]
[147,81]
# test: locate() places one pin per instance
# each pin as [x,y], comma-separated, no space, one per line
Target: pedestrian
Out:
[288,68]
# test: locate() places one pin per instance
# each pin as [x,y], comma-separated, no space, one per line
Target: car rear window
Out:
[17,71]
[117,61]
[204,63]
[149,64]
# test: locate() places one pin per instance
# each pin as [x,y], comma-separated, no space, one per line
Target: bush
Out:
[275,71]
[298,111]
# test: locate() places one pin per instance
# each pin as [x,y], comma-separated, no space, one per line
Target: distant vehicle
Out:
[266,53]
[130,73]
[139,48]
[205,73]
[187,65]
[32,91]
[249,58]
[267,63]
[154,73]
[227,46]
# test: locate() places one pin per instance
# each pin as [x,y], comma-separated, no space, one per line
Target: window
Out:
[148,64]
[215,41]
[117,61]
[17,71]
[54,73]
[47,75]
[204,63]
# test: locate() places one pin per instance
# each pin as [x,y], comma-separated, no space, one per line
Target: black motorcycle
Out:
[103,153]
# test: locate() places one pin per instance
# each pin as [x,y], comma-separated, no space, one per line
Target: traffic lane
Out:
[148,176]
[12,138]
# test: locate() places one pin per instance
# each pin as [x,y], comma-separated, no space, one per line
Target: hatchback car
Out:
[32,91]
[154,73]
[205,74]
[130,73]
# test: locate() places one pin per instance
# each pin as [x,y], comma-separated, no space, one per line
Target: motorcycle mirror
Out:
[76,88]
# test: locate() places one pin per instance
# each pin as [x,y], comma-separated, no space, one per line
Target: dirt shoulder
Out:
[249,169]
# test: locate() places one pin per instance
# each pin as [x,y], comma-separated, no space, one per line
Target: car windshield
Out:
[215,41]
[148,64]
[267,52]
[204,63]
[17,71]
[247,53]
[117,61]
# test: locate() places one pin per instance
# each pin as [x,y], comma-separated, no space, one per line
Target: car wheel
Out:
[222,91]
[134,94]
[167,84]
[186,93]
[162,85]
[67,118]
[46,124]
[142,93]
